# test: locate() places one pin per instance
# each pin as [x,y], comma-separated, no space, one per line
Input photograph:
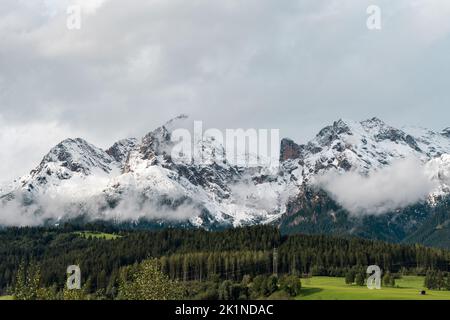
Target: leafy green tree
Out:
[447,283]
[210,293]
[430,281]
[246,280]
[149,283]
[50,293]
[350,277]
[271,285]
[440,280]
[225,290]
[77,294]
[392,282]
[291,285]
[258,286]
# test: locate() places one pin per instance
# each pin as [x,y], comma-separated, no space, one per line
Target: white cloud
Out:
[24,145]
[85,196]
[397,186]
[293,65]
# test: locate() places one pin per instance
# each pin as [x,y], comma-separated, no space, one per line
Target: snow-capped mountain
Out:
[137,179]
[364,146]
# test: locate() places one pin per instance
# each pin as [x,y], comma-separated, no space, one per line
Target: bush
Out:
[350,277]
[272,285]
[258,286]
[359,279]
[291,285]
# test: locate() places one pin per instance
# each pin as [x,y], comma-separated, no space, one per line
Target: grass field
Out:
[327,288]
[98,235]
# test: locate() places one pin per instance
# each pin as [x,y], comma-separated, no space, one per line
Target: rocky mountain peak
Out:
[290,150]
[396,135]
[446,132]
[373,123]
[327,135]
[142,175]
[78,155]
[157,142]
[120,150]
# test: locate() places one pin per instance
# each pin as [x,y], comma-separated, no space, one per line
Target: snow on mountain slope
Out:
[138,179]
[438,170]
[71,159]
[432,143]
[211,188]
[349,152]
[362,146]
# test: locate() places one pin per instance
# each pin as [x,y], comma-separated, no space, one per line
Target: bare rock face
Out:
[120,150]
[290,150]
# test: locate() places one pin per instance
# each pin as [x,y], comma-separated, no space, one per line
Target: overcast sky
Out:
[296,65]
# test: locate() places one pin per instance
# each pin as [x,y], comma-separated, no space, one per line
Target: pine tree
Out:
[20,284]
[101,280]
[27,282]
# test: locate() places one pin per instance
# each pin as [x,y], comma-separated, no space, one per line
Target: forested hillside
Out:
[187,255]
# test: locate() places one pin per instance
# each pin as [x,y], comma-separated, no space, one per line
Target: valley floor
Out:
[329,288]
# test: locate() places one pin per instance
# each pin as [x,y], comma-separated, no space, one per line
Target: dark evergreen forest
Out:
[198,255]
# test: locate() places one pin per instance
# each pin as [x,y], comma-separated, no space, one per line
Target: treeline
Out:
[146,281]
[188,255]
[437,280]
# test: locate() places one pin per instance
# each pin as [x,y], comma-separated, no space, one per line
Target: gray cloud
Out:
[295,65]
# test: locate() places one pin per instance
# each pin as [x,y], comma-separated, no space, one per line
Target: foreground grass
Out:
[98,235]
[328,288]
[6,297]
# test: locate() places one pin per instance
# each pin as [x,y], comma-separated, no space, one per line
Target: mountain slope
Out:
[137,180]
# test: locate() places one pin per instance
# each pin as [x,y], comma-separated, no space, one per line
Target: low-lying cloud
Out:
[63,205]
[403,183]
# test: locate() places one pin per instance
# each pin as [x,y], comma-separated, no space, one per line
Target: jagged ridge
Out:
[137,179]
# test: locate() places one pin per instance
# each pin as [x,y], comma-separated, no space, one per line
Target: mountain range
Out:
[364,179]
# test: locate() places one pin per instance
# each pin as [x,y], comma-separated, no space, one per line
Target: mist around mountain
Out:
[365,178]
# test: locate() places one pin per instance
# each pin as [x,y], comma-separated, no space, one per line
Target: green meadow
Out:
[98,235]
[328,288]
